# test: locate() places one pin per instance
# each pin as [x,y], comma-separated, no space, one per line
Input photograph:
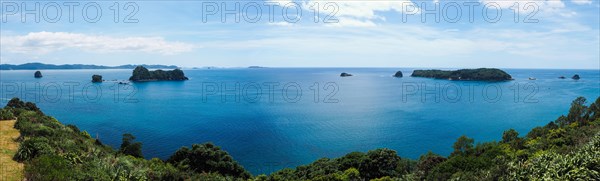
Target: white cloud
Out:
[418,46]
[582,2]
[362,13]
[47,42]
[281,23]
[351,22]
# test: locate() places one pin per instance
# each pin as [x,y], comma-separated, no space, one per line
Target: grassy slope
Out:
[9,169]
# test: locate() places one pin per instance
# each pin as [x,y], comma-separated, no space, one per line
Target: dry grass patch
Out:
[9,169]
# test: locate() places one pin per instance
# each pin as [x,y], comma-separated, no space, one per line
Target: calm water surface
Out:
[284,117]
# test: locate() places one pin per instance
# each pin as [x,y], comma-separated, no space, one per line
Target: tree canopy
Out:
[484,74]
[141,73]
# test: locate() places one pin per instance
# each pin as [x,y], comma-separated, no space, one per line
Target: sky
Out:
[557,34]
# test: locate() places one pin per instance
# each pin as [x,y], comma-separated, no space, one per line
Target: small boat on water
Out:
[532,78]
[562,77]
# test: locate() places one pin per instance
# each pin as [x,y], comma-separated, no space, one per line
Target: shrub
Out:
[128,147]
[380,163]
[428,162]
[49,167]
[18,104]
[32,148]
[6,114]
[208,158]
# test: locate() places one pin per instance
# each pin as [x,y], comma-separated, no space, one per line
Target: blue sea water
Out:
[285,117]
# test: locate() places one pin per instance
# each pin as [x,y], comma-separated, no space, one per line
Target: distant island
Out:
[142,74]
[42,66]
[256,67]
[484,74]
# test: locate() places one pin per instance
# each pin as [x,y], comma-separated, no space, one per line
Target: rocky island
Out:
[142,74]
[37,74]
[96,78]
[481,74]
[344,74]
[398,74]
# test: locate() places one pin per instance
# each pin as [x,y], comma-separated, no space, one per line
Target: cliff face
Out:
[141,73]
[484,74]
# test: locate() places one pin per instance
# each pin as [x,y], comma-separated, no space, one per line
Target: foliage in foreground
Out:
[565,149]
[53,151]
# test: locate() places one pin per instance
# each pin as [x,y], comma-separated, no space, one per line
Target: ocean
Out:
[272,118]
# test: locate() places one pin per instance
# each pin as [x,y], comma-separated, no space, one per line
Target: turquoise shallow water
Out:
[267,130]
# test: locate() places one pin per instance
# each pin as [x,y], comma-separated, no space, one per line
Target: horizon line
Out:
[261,67]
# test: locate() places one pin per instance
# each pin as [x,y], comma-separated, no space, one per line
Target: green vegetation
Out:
[128,147]
[141,73]
[373,164]
[53,151]
[96,78]
[6,114]
[207,158]
[565,149]
[484,74]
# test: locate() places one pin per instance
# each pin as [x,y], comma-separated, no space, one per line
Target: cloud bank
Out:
[48,42]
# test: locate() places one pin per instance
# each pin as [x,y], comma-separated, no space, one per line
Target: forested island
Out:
[564,149]
[42,66]
[482,74]
[141,73]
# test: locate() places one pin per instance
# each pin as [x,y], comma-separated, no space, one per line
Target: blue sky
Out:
[377,33]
